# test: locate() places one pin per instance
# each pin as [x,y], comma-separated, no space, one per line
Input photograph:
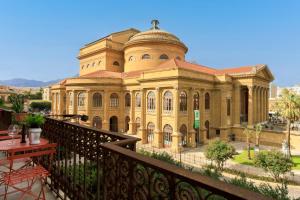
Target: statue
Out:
[154,23]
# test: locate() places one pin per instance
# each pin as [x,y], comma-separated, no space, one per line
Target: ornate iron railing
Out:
[95,164]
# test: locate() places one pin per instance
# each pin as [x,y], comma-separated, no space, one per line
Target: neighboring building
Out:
[273,90]
[295,88]
[5,92]
[47,93]
[139,83]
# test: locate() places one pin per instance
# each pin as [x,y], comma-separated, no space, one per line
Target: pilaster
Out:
[250,106]
[158,136]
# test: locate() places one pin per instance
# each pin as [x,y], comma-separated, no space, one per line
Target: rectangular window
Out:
[228,107]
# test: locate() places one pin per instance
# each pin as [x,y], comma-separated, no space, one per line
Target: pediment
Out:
[265,73]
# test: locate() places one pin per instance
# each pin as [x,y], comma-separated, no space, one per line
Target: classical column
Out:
[75,102]
[250,106]
[259,105]
[67,102]
[237,105]
[105,123]
[88,106]
[132,124]
[267,104]
[256,104]
[158,136]
[142,129]
[176,136]
[202,117]
[263,105]
[191,130]
[121,121]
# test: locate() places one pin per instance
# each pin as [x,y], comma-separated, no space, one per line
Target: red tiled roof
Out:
[174,63]
[103,74]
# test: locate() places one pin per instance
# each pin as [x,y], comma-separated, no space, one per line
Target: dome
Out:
[155,34]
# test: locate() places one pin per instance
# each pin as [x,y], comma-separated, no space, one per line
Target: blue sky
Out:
[41,39]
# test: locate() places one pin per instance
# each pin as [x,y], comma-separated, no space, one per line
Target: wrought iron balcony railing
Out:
[95,164]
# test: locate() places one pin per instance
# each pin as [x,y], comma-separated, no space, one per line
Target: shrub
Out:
[280,192]
[1,102]
[40,105]
[164,156]
[34,121]
[219,152]
[274,162]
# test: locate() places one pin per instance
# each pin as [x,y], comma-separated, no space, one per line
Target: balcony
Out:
[95,164]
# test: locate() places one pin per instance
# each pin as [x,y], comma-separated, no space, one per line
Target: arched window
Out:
[82,66]
[137,123]
[97,100]
[183,101]
[168,130]
[150,132]
[127,120]
[93,64]
[151,101]
[196,101]
[163,57]
[207,101]
[168,101]
[71,99]
[131,58]
[81,99]
[116,63]
[183,131]
[138,100]
[97,122]
[87,65]
[99,62]
[114,100]
[145,56]
[127,100]
[178,58]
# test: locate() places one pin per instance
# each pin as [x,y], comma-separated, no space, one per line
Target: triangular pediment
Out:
[265,73]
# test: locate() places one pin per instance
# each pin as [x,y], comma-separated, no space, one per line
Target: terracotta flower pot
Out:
[20,117]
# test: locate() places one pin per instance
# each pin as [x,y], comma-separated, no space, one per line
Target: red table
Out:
[6,144]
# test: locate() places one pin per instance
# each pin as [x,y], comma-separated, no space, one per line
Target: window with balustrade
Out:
[151,101]
[114,100]
[138,100]
[97,100]
[81,99]
[183,101]
[127,100]
[168,101]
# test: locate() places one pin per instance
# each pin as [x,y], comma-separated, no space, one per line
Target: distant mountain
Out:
[20,82]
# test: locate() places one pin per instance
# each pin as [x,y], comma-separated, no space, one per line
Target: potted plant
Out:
[17,101]
[34,123]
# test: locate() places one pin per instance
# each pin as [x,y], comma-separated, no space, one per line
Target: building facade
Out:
[47,93]
[139,83]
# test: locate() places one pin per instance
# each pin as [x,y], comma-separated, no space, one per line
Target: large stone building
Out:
[140,83]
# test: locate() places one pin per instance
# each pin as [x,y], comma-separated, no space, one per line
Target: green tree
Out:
[288,107]
[275,163]
[248,133]
[219,152]
[1,102]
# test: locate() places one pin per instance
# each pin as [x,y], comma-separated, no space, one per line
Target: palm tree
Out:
[258,129]
[248,134]
[288,107]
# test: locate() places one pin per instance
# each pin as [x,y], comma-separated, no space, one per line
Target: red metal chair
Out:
[31,173]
